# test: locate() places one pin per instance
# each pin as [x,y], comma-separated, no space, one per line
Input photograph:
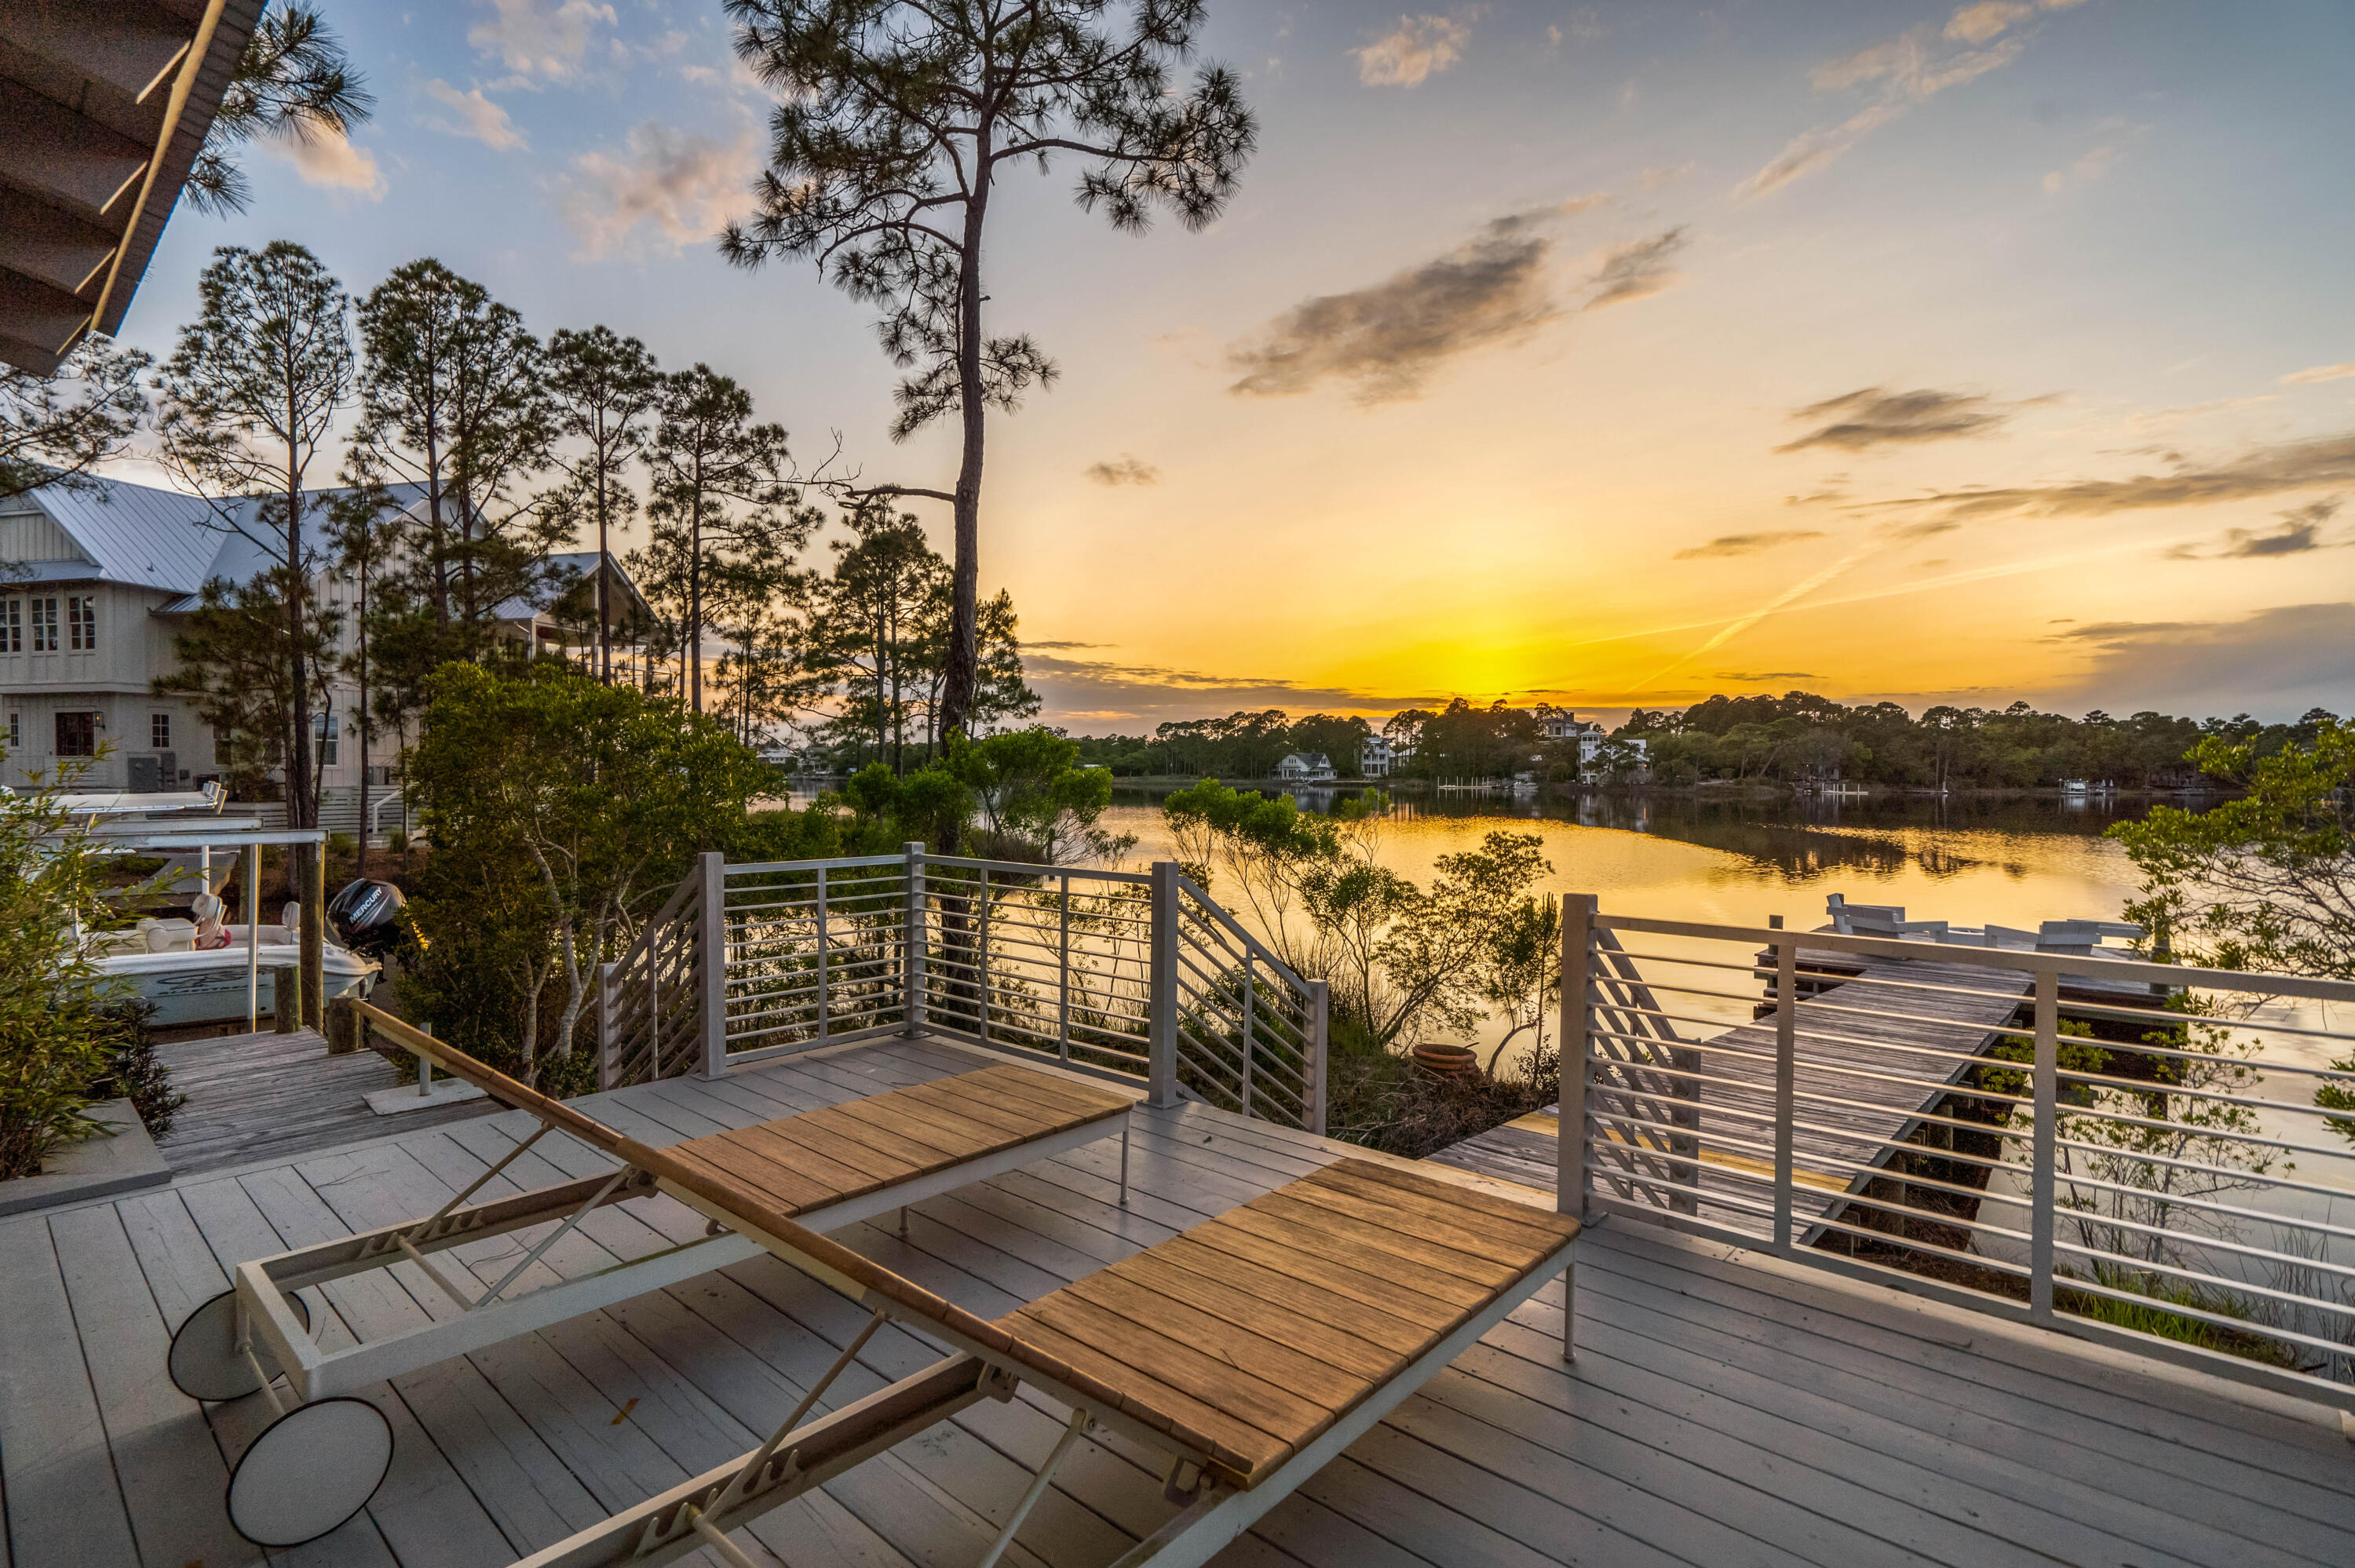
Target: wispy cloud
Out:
[1385,341]
[1902,72]
[328,159]
[2325,463]
[473,115]
[2319,373]
[679,186]
[1874,416]
[1419,47]
[1751,677]
[1636,270]
[2300,530]
[543,39]
[2280,659]
[1124,470]
[2095,161]
[1112,693]
[1747,544]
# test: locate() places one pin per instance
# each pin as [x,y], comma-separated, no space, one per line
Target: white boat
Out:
[158,960]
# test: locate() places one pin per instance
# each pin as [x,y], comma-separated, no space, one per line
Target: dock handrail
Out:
[2126,1163]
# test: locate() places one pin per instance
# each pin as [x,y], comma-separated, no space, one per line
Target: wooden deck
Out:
[1891,1071]
[269,1096]
[1723,1409]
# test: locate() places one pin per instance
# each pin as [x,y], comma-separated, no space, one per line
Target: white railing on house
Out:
[1125,973]
[2127,1151]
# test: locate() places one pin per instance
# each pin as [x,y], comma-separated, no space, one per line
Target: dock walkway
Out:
[278,1096]
[1876,1063]
[1725,1411]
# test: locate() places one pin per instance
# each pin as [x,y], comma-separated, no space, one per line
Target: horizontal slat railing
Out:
[2121,1149]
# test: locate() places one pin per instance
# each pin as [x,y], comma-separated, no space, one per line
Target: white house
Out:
[1305,767]
[94,583]
[1562,724]
[1376,757]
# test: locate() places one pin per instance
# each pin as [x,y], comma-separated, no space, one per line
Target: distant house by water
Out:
[1598,753]
[1305,767]
[1376,757]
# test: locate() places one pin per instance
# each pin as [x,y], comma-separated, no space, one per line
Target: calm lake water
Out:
[2012,863]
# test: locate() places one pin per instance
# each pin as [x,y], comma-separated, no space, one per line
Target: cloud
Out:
[1977,24]
[475,116]
[1747,544]
[1127,471]
[1636,270]
[1654,179]
[2279,660]
[1751,676]
[2093,164]
[2300,530]
[1387,338]
[1903,72]
[2319,373]
[1419,47]
[1874,416]
[2327,462]
[1109,692]
[2155,418]
[327,159]
[1915,533]
[548,38]
[682,184]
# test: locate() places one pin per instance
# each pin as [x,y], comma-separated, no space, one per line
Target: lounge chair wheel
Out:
[309,1471]
[204,1361]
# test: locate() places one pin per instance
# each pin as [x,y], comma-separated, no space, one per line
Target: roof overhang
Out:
[104,105]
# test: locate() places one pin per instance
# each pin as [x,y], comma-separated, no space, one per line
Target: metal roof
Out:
[137,534]
[104,105]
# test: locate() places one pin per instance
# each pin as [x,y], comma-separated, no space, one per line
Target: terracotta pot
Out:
[1447,1060]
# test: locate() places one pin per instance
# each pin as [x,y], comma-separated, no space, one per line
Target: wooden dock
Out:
[1725,1411]
[269,1095]
[1876,1063]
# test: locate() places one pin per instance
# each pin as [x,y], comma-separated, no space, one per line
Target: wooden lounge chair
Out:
[1249,1351]
[321,1459]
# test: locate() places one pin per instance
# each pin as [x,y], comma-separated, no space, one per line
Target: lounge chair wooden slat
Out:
[1062,1094]
[1314,1237]
[1348,1335]
[956,1100]
[764,1143]
[1454,1198]
[980,1088]
[776,1183]
[1237,1444]
[897,1144]
[1408,1224]
[1418,1203]
[1284,1415]
[1376,1239]
[1239,1246]
[959,1136]
[877,1164]
[1313,1360]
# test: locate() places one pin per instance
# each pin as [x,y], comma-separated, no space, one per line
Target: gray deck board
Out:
[1724,1411]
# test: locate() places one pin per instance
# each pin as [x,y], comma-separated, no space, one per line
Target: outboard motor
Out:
[365,916]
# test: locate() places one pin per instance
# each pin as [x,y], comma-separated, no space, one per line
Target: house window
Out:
[81,623]
[159,731]
[323,728]
[77,733]
[43,613]
[12,626]
[16,731]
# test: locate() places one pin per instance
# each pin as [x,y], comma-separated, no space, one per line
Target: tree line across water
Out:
[1796,738]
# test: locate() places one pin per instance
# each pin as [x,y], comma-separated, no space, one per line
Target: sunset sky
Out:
[1608,355]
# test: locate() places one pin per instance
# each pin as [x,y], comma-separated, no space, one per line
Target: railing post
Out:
[1250,1042]
[2040,1214]
[1578,911]
[712,956]
[981,955]
[1162,1019]
[911,964]
[823,1010]
[608,997]
[1320,1023]
[1063,975]
[1786,1036]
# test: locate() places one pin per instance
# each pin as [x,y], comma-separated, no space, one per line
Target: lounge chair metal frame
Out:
[241,1340]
